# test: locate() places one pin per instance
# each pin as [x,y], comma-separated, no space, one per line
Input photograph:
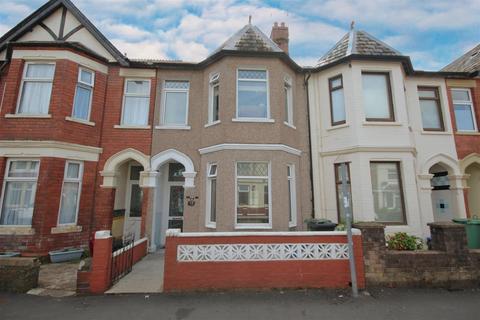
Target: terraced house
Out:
[243,140]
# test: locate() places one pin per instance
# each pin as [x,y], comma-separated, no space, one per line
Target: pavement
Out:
[391,304]
[146,276]
[57,279]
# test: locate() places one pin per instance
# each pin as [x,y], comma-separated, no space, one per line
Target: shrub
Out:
[403,241]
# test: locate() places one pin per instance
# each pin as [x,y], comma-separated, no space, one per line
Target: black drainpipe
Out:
[305,83]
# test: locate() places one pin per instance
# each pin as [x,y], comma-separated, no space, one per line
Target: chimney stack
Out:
[279,35]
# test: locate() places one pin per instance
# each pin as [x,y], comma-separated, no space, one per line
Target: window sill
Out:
[211,225]
[438,133]
[381,123]
[289,125]
[88,123]
[65,229]
[468,133]
[340,126]
[16,230]
[173,127]
[32,116]
[260,120]
[131,127]
[212,124]
[256,227]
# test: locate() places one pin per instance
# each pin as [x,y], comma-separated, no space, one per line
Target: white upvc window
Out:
[71,190]
[292,196]
[83,94]
[136,102]
[253,196]
[252,95]
[288,96]
[214,99]
[18,192]
[175,104]
[36,88]
[211,203]
[464,110]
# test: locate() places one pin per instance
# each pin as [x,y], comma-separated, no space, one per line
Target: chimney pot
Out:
[279,35]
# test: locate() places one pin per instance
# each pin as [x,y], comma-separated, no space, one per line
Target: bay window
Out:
[36,88]
[432,119]
[175,103]
[19,188]
[252,94]
[136,102]
[71,189]
[337,102]
[83,95]
[253,196]
[464,111]
[339,191]
[377,96]
[214,99]
[211,195]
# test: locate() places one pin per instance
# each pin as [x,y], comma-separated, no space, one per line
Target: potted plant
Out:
[404,241]
[320,224]
[67,254]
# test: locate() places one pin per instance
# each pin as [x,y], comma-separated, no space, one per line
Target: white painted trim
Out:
[289,125]
[122,126]
[66,229]
[258,120]
[368,149]
[88,123]
[172,154]
[381,123]
[252,147]
[16,230]
[103,234]
[58,55]
[177,233]
[29,148]
[121,156]
[212,124]
[169,127]
[31,116]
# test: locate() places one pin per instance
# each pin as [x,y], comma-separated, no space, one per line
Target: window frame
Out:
[208,221]
[214,81]
[23,179]
[125,94]
[267,82]
[86,86]
[438,100]
[331,89]
[292,182]
[402,192]
[338,182]
[269,179]
[391,108]
[464,102]
[22,85]
[288,86]
[78,180]
[162,123]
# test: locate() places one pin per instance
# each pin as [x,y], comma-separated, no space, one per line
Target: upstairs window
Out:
[252,94]
[337,102]
[72,184]
[36,88]
[136,102]
[464,112]
[83,95]
[377,96]
[19,189]
[287,92]
[175,103]
[214,105]
[432,119]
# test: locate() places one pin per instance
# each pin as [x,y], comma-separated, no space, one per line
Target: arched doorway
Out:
[442,198]
[473,183]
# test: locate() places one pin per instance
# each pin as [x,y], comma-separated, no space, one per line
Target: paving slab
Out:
[57,280]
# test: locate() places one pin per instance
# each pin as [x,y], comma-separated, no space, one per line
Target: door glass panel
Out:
[176,201]
[136,201]
[135,172]
[175,171]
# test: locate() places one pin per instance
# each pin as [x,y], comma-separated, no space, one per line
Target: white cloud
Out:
[146,49]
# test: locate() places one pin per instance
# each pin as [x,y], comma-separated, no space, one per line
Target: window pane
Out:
[81,105]
[40,71]
[213,170]
[430,116]
[86,76]
[135,172]
[376,96]
[252,74]
[136,201]
[460,95]
[23,169]
[464,117]
[340,194]
[68,209]
[138,87]
[387,193]
[175,108]
[177,85]
[213,200]
[73,171]
[252,99]
[253,205]
[216,101]
[425,93]
[290,212]
[35,97]
[251,169]
[338,106]
[135,111]
[175,171]
[17,208]
[336,82]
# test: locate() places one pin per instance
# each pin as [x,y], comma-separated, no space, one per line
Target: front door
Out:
[133,204]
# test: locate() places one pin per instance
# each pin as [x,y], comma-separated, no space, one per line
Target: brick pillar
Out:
[101,262]
[449,237]
[374,251]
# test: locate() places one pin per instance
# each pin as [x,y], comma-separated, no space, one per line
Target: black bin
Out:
[321,225]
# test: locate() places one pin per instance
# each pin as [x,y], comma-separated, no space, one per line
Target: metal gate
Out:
[122,259]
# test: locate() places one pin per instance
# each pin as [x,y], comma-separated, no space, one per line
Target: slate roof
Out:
[357,42]
[469,62]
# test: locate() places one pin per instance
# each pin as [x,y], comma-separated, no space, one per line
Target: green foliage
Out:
[403,241]
[340,227]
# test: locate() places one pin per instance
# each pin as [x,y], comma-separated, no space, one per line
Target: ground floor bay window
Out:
[72,184]
[18,196]
[387,192]
[253,194]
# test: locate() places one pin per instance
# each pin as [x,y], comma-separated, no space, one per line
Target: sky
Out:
[432,32]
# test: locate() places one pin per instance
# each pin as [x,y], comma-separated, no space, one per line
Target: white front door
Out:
[133,203]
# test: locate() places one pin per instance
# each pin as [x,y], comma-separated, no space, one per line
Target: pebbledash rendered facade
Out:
[244,140]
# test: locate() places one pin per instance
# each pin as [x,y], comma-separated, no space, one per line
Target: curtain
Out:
[18,202]
[375,96]
[175,108]
[135,111]
[82,102]
[35,97]
[68,210]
